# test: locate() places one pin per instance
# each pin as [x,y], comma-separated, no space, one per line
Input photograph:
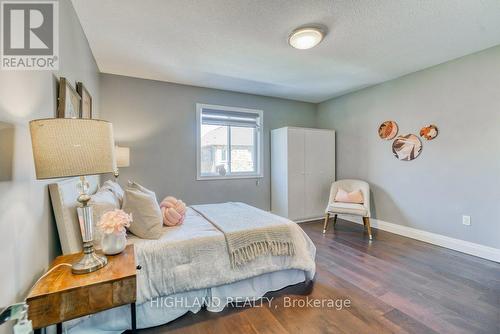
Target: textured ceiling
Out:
[241,45]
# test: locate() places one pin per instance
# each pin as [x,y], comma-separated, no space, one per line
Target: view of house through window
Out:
[228,142]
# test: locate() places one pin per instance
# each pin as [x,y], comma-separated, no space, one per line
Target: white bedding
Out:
[190,262]
[194,256]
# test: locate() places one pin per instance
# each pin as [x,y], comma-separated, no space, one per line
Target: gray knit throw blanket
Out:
[249,232]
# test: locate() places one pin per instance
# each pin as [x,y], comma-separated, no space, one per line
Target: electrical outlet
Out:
[466,220]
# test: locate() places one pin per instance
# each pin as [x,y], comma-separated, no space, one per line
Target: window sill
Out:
[233,177]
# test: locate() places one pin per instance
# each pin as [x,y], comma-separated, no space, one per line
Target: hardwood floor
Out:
[395,285]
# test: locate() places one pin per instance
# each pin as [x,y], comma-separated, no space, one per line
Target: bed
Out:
[187,269]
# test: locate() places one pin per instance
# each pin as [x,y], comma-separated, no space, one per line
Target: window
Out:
[229,142]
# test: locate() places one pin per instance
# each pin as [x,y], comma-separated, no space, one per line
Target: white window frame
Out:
[258,145]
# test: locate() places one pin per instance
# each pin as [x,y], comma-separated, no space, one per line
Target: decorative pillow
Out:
[352,197]
[142,204]
[135,185]
[101,202]
[115,188]
[173,211]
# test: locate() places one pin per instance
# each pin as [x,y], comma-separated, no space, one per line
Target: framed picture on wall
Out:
[85,102]
[68,100]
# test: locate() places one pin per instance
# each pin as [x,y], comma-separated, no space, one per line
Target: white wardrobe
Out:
[302,171]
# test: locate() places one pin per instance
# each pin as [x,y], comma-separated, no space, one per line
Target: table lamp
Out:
[122,155]
[65,147]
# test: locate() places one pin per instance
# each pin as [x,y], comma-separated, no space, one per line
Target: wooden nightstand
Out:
[62,296]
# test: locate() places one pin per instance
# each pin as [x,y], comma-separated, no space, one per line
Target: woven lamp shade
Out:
[64,147]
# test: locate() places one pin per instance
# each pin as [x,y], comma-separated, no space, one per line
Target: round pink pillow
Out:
[173,211]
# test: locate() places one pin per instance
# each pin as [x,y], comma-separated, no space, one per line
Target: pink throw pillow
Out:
[173,211]
[352,197]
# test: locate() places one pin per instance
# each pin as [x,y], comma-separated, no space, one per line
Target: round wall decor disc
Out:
[407,147]
[388,130]
[429,132]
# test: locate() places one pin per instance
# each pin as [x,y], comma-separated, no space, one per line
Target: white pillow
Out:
[147,220]
[135,185]
[101,202]
[115,188]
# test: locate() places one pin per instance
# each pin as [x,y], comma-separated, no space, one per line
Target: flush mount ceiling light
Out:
[306,37]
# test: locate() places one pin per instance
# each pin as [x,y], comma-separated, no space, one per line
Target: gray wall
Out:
[157,120]
[457,173]
[28,236]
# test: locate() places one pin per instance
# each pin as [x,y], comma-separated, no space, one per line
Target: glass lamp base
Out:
[89,262]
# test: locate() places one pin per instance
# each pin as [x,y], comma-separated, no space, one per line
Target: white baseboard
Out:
[463,246]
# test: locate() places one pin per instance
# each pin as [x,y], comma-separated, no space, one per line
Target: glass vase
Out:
[113,243]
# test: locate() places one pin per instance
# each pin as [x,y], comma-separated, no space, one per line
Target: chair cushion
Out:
[347,208]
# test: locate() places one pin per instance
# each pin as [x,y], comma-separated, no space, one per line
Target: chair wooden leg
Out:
[325,225]
[366,222]
[334,220]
